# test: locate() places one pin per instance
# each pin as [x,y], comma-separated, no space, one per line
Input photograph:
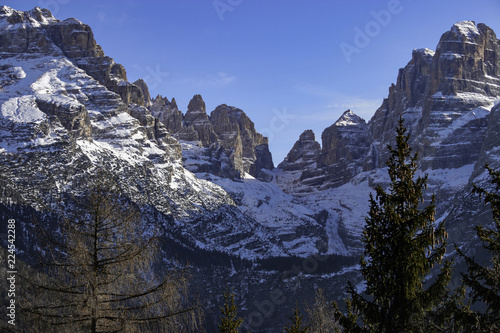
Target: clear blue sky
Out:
[280,61]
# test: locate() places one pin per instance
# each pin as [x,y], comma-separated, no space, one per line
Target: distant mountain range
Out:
[67,110]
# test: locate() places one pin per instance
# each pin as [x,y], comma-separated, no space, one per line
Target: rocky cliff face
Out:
[304,154]
[347,149]
[449,101]
[37,31]
[145,91]
[65,105]
[197,121]
[445,98]
[168,113]
[29,34]
[248,149]
[223,144]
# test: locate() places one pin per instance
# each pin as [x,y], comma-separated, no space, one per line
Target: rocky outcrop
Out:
[347,149]
[445,98]
[346,141]
[145,91]
[73,117]
[167,113]
[466,60]
[24,33]
[76,40]
[304,154]
[248,149]
[224,144]
[196,118]
[38,32]
[409,94]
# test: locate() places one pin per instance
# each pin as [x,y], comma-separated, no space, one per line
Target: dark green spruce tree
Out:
[401,246]
[484,282]
[229,320]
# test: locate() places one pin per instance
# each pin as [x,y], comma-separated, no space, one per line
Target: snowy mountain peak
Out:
[66,105]
[34,17]
[424,52]
[349,118]
[208,182]
[466,29]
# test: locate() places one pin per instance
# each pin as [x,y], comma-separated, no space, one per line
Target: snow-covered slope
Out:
[448,100]
[62,120]
[67,110]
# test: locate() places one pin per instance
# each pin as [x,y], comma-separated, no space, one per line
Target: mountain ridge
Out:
[84,102]
[208,180]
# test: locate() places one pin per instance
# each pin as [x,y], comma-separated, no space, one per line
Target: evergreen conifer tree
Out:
[484,282]
[296,322]
[229,320]
[402,245]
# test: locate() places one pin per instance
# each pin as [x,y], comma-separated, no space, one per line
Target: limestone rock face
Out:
[263,163]
[38,32]
[145,91]
[76,40]
[410,93]
[467,60]
[445,98]
[224,144]
[24,34]
[304,154]
[347,140]
[347,149]
[74,118]
[247,148]
[167,113]
[197,118]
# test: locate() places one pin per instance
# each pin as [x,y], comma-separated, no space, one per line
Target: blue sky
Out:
[290,65]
